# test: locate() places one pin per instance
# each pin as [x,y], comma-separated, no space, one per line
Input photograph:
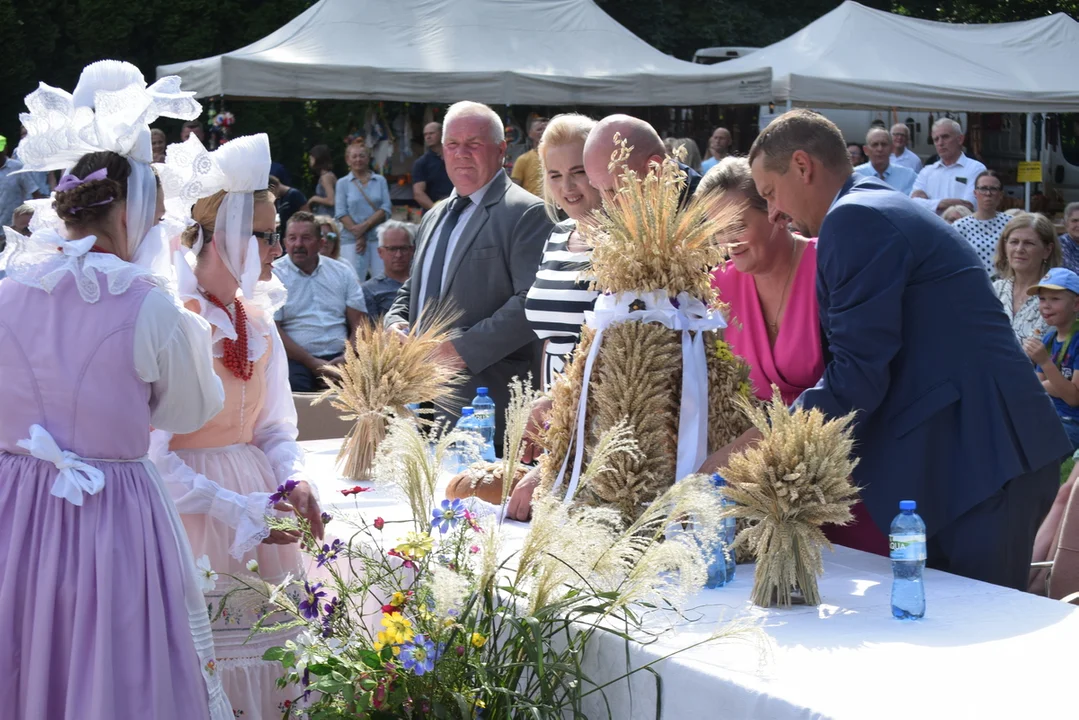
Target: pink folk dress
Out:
[101,614]
[235,461]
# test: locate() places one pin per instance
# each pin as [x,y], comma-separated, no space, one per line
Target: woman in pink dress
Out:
[101,612]
[248,451]
[770,290]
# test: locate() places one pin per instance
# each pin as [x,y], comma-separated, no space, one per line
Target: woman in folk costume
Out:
[100,603]
[248,451]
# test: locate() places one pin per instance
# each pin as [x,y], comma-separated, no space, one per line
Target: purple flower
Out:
[326,517]
[418,655]
[283,492]
[309,605]
[675,303]
[447,516]
[327,620]
[329,552]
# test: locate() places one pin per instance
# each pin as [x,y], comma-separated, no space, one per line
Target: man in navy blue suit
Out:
[949,411]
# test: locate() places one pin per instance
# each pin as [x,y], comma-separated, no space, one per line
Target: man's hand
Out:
[1036,351]
[448,353]
[537,420]
[520,504]
[302,502]
[401,328]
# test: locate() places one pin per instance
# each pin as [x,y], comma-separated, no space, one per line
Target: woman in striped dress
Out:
[558,299]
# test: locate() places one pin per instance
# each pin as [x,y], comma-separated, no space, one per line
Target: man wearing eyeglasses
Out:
[950,180]
[325,305]
[396,246]
[901,153]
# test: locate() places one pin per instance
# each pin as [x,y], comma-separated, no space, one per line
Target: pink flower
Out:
[474,549]
[379,523]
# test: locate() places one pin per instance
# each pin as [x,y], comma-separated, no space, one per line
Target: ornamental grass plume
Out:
[790,483]
[382,373]
[645,241]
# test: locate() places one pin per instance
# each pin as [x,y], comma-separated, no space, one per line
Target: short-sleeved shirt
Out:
[314,315]
[940,181]
[983,236]
[361,204]
[899,177]
[292,201]
[908,160]
[1028,321]
[1066,357]
[379,293]
[1070,250]
[431,169]
[15,189]
[528,171]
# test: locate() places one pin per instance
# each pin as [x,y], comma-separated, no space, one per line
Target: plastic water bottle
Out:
[484,408]
[722,568]
[466,423]
[907,541]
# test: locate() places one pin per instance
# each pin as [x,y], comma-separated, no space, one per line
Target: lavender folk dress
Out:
[101,614]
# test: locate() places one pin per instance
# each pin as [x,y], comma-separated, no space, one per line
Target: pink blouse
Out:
[796,362]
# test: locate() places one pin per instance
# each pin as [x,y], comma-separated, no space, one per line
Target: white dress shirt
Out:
[940,181]
[908,160]
[451,243]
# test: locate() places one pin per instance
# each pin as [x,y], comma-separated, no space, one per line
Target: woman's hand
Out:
[537,419]
[361,242]
[719,459]
[520,504]
[282,537]
[302,502]
[1036,351]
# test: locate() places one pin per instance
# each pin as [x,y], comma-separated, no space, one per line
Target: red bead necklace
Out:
[234,352]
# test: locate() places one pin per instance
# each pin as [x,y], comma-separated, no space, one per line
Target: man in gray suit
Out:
[478,252]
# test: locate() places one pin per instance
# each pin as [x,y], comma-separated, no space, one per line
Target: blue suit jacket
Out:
[948,406]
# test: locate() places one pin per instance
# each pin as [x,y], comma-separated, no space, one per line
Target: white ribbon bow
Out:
[75,478]
[688,315]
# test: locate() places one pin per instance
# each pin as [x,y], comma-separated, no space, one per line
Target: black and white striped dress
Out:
[558,299]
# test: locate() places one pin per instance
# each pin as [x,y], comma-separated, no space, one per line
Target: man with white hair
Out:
[902,154]
[477,254]
[950,180]
[396,247]
[646,148]
[878,147]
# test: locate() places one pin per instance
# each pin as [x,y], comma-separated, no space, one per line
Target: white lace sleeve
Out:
[172,353]
[275,428]
[196,494]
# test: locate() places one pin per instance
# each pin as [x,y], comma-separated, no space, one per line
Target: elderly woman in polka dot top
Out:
[1027,248]
[982,229]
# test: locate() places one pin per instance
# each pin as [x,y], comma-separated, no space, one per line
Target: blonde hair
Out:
[561,130]
[1046,233]
[204,213]
[955,212]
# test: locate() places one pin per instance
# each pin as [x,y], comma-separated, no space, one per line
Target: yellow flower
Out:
[398,599]
[744,389]
[398,628]
[723,351]
[415,545]
[478,640]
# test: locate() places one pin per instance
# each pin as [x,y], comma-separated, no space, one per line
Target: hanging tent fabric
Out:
[859,57]
[543,52]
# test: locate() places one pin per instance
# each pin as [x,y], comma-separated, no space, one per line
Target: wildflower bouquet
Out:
[435,617]
[644,351]
[383,373]
[793,481]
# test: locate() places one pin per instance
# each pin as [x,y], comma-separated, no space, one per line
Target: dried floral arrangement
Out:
[789,484]
[383,372]
[644,241]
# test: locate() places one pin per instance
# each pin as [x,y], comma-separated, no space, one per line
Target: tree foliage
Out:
[51,41]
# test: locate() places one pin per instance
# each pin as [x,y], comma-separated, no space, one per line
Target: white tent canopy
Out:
[859,57]
[543,52]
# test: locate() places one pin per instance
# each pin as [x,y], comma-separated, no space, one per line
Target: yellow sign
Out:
[1030,172]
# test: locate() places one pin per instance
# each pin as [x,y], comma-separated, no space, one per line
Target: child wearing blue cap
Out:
[1057,354]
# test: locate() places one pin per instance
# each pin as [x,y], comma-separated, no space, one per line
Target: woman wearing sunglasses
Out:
[247,452]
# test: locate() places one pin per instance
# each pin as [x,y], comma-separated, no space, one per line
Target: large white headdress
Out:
[240,167]
[111,109]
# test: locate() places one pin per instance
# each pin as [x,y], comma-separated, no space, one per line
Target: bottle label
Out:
[907,547]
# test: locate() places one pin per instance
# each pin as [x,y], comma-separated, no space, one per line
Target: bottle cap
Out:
[481,391]
[466,411]
[908,505]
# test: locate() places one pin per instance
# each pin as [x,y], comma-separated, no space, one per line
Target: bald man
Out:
[647,148]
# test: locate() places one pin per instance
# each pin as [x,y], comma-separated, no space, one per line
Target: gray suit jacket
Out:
[493,265]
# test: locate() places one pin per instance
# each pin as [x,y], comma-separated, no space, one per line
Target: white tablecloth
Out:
[982,651]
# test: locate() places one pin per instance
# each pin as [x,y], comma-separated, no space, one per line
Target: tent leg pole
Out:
[1030,153]
[788,104]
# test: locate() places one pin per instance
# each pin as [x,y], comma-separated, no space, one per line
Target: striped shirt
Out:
[558,299]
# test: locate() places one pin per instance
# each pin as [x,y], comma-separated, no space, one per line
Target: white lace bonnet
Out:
[240,168]
[111,109]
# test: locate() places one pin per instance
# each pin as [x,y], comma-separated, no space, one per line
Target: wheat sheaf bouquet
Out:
[382,373]
[655,255]
[789,484]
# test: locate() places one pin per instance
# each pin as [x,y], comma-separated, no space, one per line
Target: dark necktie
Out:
[438,260]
